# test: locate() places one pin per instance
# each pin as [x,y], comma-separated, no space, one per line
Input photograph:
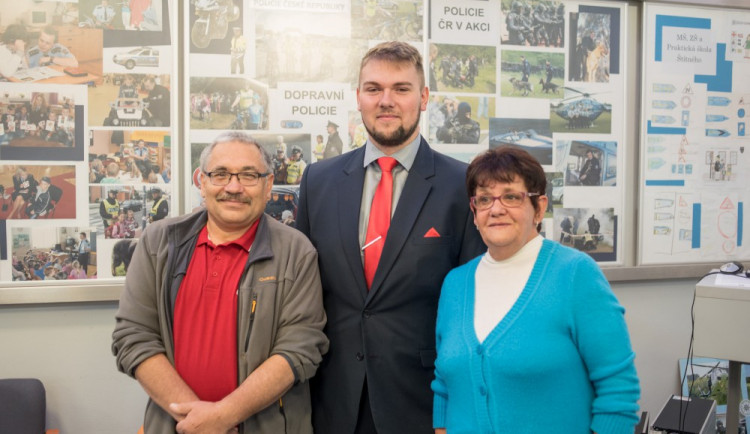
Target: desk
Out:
[722,319]
[62,79]
[62,256]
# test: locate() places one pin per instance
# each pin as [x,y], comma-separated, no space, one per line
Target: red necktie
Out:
[380,218]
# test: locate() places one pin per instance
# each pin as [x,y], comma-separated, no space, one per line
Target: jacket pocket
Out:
[283,413]
[447,239]
[253,305]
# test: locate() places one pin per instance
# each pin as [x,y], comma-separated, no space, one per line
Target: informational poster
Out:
[695,147]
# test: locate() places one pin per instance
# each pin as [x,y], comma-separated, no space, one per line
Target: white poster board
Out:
[695,150]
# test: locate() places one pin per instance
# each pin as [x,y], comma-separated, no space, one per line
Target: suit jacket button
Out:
[366,314]
[360,357]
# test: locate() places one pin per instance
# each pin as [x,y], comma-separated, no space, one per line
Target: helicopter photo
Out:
[531,135]
[539,146]
[582,112]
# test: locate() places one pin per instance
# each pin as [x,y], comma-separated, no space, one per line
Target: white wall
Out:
[658,317]
[67,346]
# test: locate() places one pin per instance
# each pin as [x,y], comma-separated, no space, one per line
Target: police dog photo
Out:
[549,87]
[531,74]
[522,87]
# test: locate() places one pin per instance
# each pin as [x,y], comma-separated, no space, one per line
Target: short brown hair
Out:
[396,52]
[50,30]
[504,164]
[13,33]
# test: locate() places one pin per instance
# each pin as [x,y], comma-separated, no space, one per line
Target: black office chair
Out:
[5,202]
[23,407]
[55,193]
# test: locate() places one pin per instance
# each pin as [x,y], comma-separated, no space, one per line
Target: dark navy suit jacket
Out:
[386,334]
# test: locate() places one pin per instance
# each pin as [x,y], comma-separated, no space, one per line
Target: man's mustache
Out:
[237,197]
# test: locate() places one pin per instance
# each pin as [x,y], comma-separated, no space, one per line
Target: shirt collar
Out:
[404,156]
[245,241]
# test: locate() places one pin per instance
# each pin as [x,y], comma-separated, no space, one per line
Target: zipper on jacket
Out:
[283,413]
[253,306]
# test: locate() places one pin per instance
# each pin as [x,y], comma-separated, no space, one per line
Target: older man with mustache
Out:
[222,315]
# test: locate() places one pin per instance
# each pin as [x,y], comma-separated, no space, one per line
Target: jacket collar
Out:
[416,190]
[187,230]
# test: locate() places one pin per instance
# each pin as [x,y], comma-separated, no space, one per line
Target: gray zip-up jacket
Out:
[281,277]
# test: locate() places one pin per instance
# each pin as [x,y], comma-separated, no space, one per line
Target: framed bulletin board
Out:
[695,145]
[633,183]
[86,135]
[547,76]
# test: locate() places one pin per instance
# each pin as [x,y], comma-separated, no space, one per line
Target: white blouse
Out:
[499,284]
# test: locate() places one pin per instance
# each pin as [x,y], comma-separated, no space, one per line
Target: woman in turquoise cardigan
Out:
[530,337]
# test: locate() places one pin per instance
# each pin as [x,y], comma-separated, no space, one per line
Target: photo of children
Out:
[228,103]
[131,100]
[37,119]
[53,253]
[122,211]
[37,192]
[130,157]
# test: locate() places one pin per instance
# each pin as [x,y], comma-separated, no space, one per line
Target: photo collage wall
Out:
[85,137]
[546,76]
[88,114]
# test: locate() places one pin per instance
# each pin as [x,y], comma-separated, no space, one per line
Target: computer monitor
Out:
[38,18]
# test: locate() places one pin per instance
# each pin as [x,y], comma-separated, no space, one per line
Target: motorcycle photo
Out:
[212,22]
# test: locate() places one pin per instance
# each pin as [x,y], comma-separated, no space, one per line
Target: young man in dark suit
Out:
[381,319]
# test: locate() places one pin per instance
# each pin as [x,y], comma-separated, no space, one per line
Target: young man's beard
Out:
[396,138]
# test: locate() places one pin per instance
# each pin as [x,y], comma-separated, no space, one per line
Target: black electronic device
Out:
[75,72]
[642,426]
[731,268]
[684,415]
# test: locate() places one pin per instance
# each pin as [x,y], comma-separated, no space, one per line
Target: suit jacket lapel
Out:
[415,192]
[349,200]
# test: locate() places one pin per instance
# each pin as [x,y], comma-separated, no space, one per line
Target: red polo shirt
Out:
[205,316]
